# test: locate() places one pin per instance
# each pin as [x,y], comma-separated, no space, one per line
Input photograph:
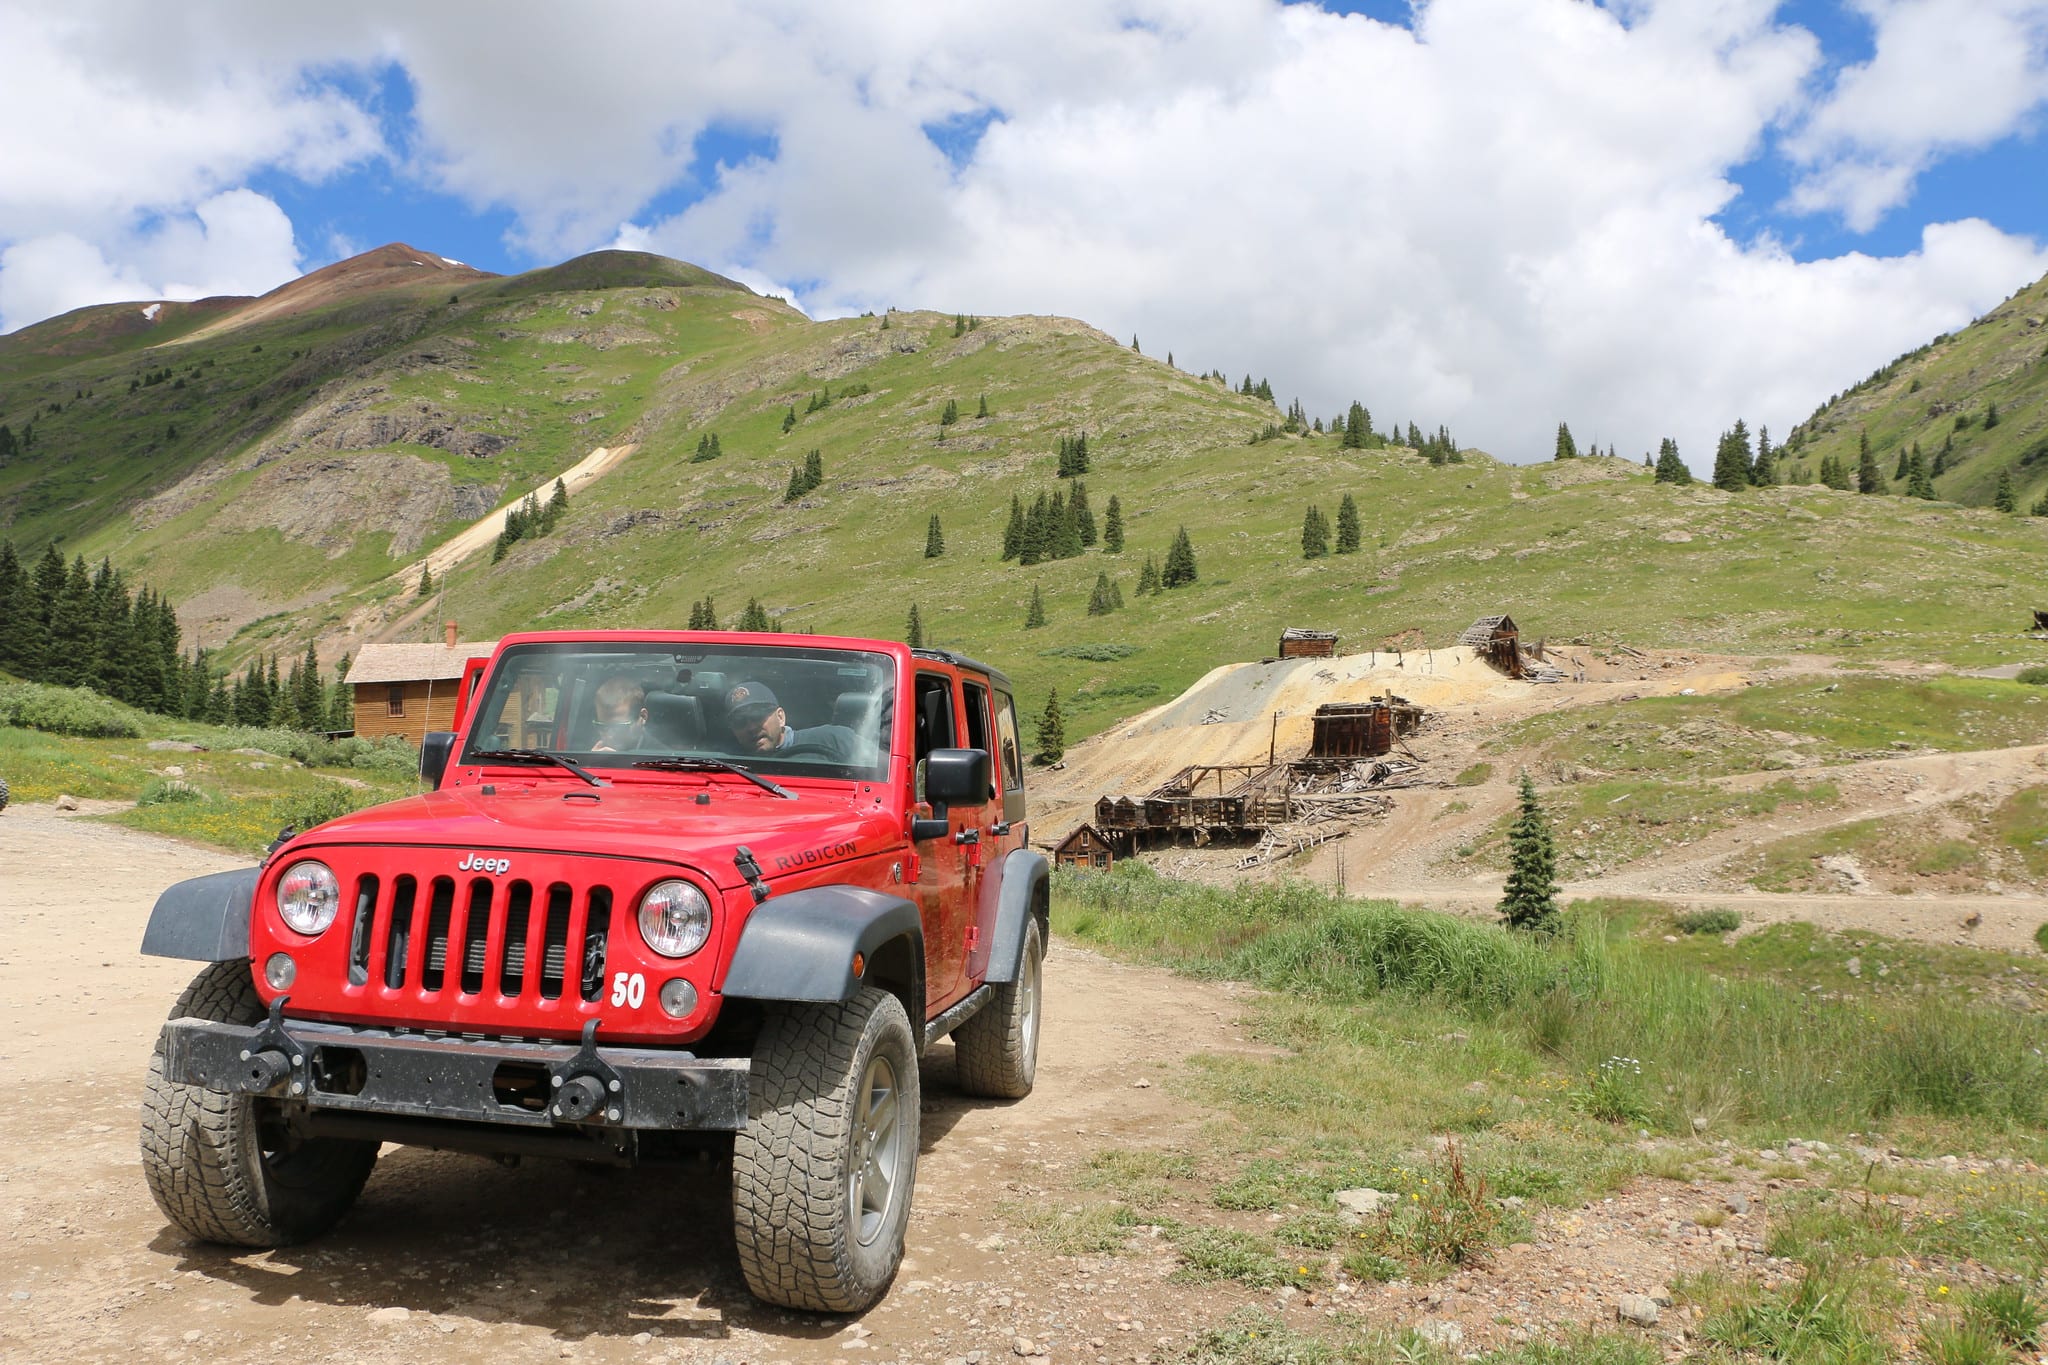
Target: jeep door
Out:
[943,894]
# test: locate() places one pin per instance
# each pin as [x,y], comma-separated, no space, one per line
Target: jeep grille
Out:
[519,936]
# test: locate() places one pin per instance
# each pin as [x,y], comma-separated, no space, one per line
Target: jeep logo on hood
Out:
[476,862]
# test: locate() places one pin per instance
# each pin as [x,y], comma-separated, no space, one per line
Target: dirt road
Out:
[467,1260]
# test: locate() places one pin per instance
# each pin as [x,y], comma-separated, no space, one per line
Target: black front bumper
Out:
[337,1069]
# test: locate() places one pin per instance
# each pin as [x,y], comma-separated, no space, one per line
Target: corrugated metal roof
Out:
[1304,633]
[414,663]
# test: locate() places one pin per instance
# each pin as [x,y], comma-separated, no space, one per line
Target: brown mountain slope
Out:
[392,266]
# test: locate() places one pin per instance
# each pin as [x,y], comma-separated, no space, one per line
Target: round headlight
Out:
[308,896]
[675,919]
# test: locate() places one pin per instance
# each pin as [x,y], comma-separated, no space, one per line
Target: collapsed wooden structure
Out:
[1368,729]
[1297,642]
[1497,640]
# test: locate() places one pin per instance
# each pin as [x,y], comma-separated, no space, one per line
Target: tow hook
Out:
[586,1089]
[273,1063]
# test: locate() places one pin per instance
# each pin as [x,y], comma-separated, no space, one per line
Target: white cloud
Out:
[1945,75]
[1501,219]
[233,243]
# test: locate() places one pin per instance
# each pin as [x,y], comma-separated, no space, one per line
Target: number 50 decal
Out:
[630,991]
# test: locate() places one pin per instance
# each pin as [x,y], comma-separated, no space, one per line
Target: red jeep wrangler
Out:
[666,885]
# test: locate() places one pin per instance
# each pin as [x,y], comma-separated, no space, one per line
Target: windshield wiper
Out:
[686,765]
[534,756]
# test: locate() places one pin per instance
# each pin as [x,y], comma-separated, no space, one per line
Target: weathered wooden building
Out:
[1299,643]
[1497,640]
[410,689]
[1366,729]
[1086,846]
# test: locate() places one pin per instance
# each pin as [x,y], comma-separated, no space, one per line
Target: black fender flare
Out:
[1024,897]
[205,919]
[801,947]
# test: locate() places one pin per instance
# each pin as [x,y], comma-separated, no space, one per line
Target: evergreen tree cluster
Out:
[824,398]
[530,520]
[1355,429]
[1567,448]
[708,448]
[1259,390]
[1671,468]
[1073,456]
[950,414]
[71,626]
[934,539]
[703,615]
[1315,533]
[964,323]
[754,617]
[1106,598]
[1058,525]
[806,476]
[1439,449]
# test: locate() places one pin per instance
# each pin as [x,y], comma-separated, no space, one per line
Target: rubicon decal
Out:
[785,861]
[476,862]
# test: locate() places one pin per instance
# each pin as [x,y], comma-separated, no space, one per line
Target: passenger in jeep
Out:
[621,715]
[760,726]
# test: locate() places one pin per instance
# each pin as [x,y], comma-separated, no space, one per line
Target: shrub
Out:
[2009,1312]
[167,791]
[67,711]
[2034,675]
[330,802]
[1708,921]
[1105,652]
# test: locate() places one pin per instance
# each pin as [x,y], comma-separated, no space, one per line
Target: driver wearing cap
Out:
[760,726]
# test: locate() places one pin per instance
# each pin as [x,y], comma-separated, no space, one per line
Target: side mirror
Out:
[952,777]
[436,748]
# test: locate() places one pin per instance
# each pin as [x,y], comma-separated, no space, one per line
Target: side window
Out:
[1008,754]
[977,718]
[394,700]
[932,722]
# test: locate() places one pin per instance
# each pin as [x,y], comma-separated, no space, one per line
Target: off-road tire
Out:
[996,1052]
[819,1130]
[203,1154]
[3,793]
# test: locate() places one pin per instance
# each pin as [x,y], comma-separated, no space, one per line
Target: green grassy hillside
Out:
[317,455]
[1942,397]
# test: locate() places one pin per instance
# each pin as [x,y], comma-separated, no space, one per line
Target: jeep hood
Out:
[659,821]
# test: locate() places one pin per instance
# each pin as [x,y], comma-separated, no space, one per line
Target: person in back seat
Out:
[621,715]
[760,726]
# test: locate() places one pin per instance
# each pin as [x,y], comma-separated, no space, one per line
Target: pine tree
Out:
[1731,462]
[982,410]
[789,419]
[796,484]
[934,539]
[1529,900]
[1919,483]
[703,615]
[1764,474]
[1013,534]
[913,629]
[1990,416]
[1347,526]
[1034,615]
[1905,455]
[1052,730]
[1035,544]
[1134,341]
[1113,527]
[814,470]
[754,617]
[951,414]
[426,588]
[2005,500]
[1099,599]
[1869,478]
[1180,562]
[1148,578]
[1943,456]
[1670,468]
[1567,448]
[1077,511]
[1357,427]
[1315,534]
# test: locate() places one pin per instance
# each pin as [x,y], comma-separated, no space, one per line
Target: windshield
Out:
[781,708]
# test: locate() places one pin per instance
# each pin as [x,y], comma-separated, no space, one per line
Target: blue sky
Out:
[1648,217]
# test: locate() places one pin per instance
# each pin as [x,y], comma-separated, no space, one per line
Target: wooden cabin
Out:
[1299,643]
[410,690]
[1084,847]
[1497,640]
[1362,729]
